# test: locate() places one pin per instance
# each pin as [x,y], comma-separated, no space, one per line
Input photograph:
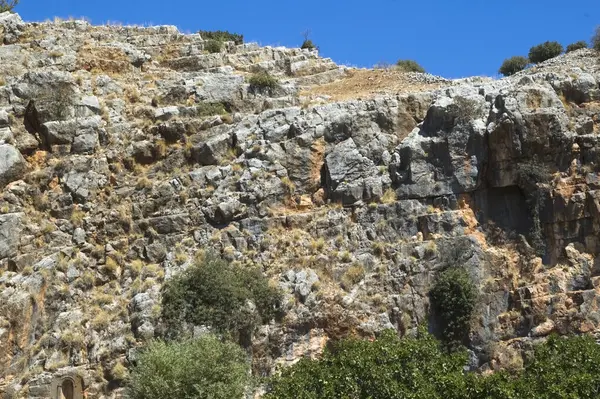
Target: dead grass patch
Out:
[361,83]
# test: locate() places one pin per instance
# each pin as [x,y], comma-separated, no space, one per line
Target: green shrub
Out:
[562,368]
[386,368]
[596,40]
[8,5]
[195,369]
[308,44]
[577,46]
[213,46]
[416,368]
[210,109]
[409,66]
[263,81]
[222,36]
[453,300]
[545,51]
[512,65]
[215,293]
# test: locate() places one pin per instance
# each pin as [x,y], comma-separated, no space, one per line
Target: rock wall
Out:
[113,176]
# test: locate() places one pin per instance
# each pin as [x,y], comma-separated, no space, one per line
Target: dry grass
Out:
[367,84]
[109,60]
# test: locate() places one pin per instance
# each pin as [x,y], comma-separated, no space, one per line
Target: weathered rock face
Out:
[12,164]
[113,174]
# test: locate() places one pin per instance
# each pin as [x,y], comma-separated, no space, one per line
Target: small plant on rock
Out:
[577,46]
[596,40]
[409,66]
[222,36]
[262,81]
[512,65]
[213,46]
[545,51]
[8,5]
[307,43]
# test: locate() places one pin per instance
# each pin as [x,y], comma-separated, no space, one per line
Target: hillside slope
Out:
[125,150]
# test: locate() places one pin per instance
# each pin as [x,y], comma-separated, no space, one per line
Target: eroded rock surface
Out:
[117,166]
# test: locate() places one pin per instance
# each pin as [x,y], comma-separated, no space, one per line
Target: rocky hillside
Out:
[126,150]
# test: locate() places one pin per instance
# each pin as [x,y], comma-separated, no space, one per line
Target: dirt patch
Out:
[108,60]
[360,84]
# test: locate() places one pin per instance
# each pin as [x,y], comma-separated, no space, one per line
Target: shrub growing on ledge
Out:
[222,36]
[213,46]
[453,300]
[201,368]
[545,51]
[262,81]
[577,46]
[8,5]
[512,65]
[409,66]
[596,40]
[308,44]
[215,293]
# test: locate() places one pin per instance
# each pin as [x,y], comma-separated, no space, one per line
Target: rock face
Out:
[12,164]
[124,151]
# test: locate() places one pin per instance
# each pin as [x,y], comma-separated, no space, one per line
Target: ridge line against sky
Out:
[452,39]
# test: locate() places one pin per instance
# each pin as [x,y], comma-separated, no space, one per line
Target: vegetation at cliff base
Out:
[418,368]
[196,369]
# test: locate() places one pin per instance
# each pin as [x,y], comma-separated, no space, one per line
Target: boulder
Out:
[350,177]
[11,226]
[11,27]
[12,164]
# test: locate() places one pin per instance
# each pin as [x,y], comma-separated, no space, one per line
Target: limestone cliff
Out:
[124,150]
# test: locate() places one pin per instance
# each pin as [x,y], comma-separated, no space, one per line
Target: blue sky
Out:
[453,38]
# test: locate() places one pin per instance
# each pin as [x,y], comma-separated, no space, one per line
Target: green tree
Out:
[410,66]
[307,43]
[512,65]
[213,292]
[596,40]
[204,368]
[577,46]
[545,51]
[213,46]
[261,81]
[8,5]
[453,300]
[222,36]
[563,368]
[387,368]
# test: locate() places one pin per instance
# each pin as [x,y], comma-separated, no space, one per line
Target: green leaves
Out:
[417,368]
[453,299]
[197,369]
[545,51]
[215,293]
[388,367]
[512,65]
[8,5]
